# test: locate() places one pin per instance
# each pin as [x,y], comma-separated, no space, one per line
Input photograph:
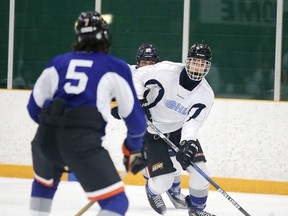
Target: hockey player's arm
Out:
[188,148]
[196,117]
[141,90]
[135,158]
[131,112]
[114,109]
[43,90]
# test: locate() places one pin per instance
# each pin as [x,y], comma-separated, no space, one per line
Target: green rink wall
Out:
[241,34]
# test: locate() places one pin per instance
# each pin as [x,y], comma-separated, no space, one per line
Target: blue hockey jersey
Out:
[90,79]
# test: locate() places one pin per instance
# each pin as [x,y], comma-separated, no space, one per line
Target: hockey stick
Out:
[88,205]
[215,185]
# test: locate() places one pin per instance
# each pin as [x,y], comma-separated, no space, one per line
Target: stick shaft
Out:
[85,208]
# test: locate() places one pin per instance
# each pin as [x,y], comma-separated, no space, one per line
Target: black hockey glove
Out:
[114,109]
[134,161]
[186,153]
[146,110]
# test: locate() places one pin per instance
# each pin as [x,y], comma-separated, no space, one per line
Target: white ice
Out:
[70,198]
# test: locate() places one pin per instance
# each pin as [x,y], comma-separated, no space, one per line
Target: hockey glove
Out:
[134,161]
[146,110]
[186,153]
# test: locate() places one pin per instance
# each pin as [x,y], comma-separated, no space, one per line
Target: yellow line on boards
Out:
[247,185]
[20,171]
[227,184]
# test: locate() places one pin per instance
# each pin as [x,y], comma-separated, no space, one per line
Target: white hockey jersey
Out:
[173,107]
[132,68]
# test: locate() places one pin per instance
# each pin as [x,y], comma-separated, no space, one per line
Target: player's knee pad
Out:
[198,187]
[161,184]
[117,203]
[177,166]
[144,173]
[197,181]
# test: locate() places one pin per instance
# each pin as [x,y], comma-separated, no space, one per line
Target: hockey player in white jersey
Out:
[148,54]
[177,99]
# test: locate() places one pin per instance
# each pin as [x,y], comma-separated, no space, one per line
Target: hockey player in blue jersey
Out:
[71,103]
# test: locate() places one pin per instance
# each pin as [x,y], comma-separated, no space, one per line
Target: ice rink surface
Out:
[70,198]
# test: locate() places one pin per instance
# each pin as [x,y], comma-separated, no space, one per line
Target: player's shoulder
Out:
[133,68]
[162,66]
[60,60]
[169,65]
[207,88]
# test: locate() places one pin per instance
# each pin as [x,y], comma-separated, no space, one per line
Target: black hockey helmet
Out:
[90,26]
[201,51]
[148,52]
[198,61]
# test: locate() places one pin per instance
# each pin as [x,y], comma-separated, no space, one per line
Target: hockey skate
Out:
[193,212]
[156,201]
[177,199]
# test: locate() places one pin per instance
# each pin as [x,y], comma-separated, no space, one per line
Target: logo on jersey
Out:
[174,105]
[148,50]
[157,166]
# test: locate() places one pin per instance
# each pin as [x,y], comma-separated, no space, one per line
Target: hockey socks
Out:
[197,208]
[41,198]
[116,205]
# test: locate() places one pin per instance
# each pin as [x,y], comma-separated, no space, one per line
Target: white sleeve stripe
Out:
[45,86]
[112,85]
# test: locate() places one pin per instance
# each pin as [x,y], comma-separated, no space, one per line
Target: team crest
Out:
[148,50]
[157,166]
